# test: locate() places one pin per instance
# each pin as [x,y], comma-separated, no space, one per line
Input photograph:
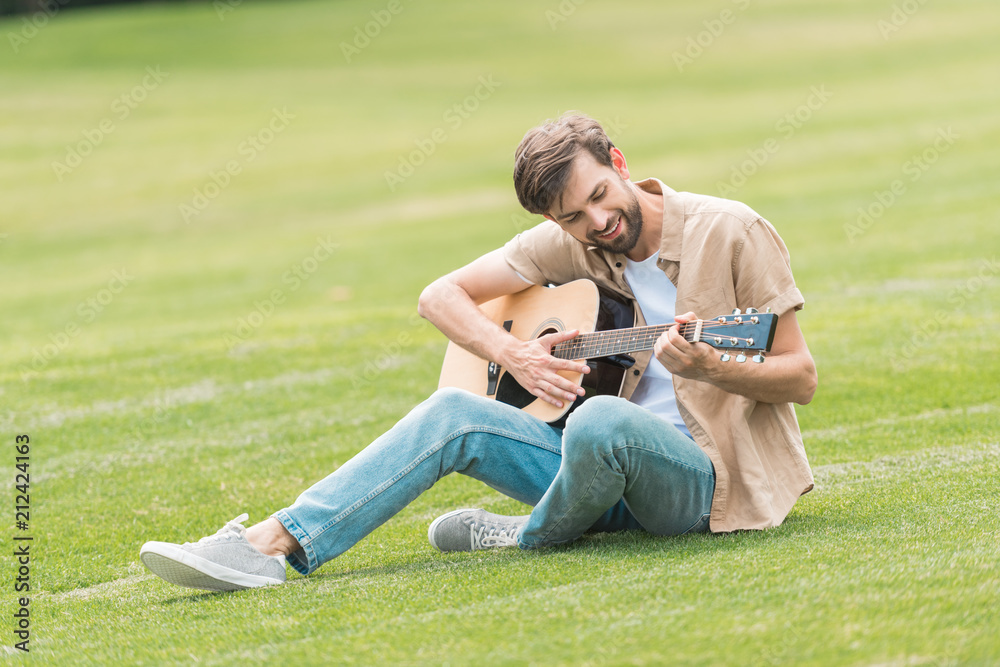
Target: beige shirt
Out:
[720,255]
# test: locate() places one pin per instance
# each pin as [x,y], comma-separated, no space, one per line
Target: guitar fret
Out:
[566,304]
[614,341]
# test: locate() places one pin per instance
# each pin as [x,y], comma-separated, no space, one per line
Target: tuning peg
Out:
[740,358]
[752,311]
[736,311]
[759,358]
[725,356]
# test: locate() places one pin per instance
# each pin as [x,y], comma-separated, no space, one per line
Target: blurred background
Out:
[203,148]
[216,218]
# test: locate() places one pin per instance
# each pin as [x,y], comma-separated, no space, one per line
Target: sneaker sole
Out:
[173,564]
[434,524]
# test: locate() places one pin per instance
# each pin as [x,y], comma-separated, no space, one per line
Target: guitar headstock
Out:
[739,333]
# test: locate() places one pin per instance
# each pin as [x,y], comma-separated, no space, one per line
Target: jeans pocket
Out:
[700,526]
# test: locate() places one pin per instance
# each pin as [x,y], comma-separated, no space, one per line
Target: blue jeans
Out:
[615,466]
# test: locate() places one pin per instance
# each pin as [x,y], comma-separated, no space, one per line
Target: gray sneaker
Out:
[473,529]
[221,562]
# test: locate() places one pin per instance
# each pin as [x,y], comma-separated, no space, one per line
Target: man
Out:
[694,443]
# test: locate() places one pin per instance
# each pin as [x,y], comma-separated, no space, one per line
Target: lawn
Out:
[216,221]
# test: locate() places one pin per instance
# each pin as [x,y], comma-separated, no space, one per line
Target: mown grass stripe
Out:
[985,408]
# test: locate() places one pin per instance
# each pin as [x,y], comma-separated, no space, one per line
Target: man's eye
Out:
[600,195]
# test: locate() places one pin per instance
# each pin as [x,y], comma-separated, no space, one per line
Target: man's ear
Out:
[618,162]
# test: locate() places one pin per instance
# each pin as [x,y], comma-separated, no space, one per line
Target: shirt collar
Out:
[673,218]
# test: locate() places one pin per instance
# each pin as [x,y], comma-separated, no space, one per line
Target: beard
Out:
[631,218]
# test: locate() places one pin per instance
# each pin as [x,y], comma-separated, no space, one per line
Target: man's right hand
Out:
[450,304]
[533,366]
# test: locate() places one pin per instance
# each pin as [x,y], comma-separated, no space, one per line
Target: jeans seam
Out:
[305,543]
[384,486]
[680,464]
[700,519]
[575,505]
[613,449]
[675,461]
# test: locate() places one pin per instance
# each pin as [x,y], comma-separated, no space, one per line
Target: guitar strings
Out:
[587,345]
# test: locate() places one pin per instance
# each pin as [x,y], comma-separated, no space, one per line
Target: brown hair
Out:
[543,159]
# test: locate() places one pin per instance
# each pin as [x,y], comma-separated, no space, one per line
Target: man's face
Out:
[598,208]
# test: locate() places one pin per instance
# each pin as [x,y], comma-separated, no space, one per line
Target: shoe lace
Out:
[484,536]
[233,528]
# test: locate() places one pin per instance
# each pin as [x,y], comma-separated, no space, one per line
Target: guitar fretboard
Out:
[617,341]
[622,341]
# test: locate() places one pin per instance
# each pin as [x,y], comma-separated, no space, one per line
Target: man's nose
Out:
[599,218]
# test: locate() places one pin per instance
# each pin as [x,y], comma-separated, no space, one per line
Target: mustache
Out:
[619,216]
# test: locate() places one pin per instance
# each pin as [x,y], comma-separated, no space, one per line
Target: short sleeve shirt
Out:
[720,255]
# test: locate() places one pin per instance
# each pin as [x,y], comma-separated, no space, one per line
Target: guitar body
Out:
[528,315]
[607,335]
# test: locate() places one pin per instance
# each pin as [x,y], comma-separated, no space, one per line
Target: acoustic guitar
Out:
[607,336]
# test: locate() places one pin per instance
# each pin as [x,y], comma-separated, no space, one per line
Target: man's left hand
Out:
[788,375]
[688,360]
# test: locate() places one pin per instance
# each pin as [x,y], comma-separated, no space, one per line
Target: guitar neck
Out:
[621,341]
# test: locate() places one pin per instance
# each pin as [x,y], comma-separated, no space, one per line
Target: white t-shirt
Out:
[656,296]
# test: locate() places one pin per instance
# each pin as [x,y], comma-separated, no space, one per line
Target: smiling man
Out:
[693,444]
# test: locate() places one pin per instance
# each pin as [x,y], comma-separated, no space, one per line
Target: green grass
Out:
[146,423]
